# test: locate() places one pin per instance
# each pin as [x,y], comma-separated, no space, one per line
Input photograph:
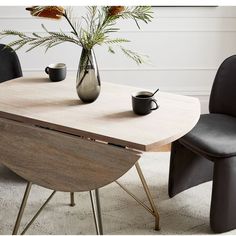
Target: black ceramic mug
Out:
[56,72]
[143,103]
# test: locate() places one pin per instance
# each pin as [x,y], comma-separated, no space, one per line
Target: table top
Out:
[55,105]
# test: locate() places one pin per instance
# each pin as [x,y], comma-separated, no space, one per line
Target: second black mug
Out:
[56,72]
[143,103]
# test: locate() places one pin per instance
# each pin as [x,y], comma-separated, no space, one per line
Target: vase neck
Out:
[87,59]
[87,51]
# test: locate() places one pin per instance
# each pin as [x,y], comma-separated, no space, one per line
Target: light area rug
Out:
[187,213]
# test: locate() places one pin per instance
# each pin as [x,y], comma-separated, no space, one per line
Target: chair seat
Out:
[214,136]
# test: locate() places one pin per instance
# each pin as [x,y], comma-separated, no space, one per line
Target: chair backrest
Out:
[10,67]
[223,93]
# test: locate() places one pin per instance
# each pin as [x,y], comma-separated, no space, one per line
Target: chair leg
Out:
[223,202]
[22,208]
[96,212]
[72,199]
[187,169]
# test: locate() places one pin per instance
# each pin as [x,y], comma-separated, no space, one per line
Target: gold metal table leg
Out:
[22,208]
[149,196]
[95,201]
[38,212]
[94,212]
[153,209]
[99,214]
[72,199]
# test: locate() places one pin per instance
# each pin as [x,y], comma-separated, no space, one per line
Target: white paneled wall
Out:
[185,44]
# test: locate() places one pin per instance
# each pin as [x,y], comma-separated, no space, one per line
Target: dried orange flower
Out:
[115,10]
[53,12]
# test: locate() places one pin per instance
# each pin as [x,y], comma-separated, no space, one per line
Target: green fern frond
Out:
[116,41]
[138,58]
[12,33]
[142,13]
[111,50]
[36,35]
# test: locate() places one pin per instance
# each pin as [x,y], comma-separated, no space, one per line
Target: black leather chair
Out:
[10,67]
[208,151]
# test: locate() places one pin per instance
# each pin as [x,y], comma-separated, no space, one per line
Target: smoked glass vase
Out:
[88,83]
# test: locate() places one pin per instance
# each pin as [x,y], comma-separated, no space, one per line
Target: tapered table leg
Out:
[96,207]
[94,212]
[152,209]
[22,208]
[99,214]
[149,196]
[72,199]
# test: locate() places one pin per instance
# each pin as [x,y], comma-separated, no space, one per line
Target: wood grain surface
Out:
[110,118]
[60,161]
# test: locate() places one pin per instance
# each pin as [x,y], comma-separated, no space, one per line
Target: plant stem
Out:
[85,69]
[136,22]
[68,20]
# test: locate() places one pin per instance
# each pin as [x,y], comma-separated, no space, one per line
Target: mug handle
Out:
[47,70]
[157,106]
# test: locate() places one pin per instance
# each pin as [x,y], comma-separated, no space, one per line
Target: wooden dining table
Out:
[36,113]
